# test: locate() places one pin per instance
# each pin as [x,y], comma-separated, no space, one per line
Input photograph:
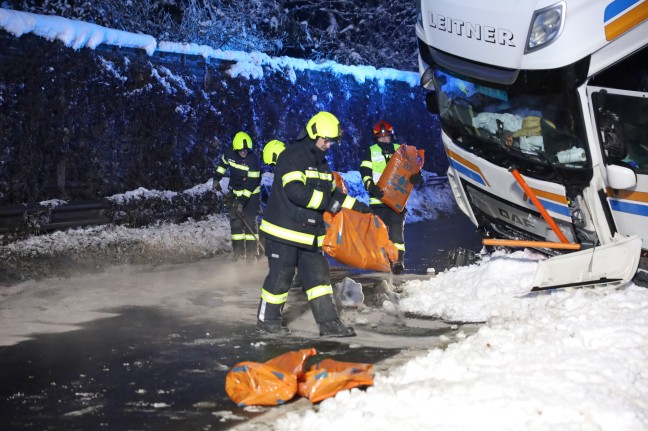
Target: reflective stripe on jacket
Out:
[302,189]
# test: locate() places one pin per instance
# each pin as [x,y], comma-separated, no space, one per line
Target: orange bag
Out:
[394,181]
[339,182]
[255,384]
[292,362]
[269,384]
[359,240]
[328,377]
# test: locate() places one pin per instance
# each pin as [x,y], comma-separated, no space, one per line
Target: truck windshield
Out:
[535,126]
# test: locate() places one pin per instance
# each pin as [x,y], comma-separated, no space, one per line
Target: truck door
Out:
[621,118]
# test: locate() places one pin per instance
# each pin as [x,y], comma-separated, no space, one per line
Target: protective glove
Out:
[334,206]
[375,191]
[362,207]
[228,200]
[416,178]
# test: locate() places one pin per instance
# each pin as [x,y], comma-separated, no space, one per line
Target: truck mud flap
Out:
[614,263]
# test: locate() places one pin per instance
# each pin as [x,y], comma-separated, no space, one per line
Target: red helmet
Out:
[383,128]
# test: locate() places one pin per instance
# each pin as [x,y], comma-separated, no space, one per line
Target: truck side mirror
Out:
[620,177]
[427,82]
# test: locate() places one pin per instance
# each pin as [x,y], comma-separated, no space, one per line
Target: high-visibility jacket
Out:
[244,173]
[374,162]
[302,189]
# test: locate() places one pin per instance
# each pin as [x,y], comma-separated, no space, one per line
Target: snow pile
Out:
[142,193]
[74,34]
[571,360]
[206,237]
[486,291]
[64,253]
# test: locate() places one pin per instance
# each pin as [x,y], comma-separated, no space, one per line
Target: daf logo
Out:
[514,218]
[471,30]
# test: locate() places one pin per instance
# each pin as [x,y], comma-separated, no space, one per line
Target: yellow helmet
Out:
[323,124]
[271,151]
[242,141]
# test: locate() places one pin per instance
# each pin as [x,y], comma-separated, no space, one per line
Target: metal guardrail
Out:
[64,216]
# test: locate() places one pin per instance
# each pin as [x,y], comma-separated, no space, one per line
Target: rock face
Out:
[88,124]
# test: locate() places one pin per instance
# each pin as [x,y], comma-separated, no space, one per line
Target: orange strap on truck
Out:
[545,215]
[523,243]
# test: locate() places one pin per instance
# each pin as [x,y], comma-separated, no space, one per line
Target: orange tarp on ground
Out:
[292,362]
[328,377]
[395,179]
[276,381]
[359,240]
[255,384]
[269,384]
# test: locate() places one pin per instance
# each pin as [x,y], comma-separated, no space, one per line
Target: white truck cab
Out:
[543,108]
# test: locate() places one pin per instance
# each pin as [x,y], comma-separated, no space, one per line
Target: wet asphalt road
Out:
[147,369]
[131,373]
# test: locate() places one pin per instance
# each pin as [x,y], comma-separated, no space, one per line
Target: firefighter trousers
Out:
[395,223]
[313,267]
[245,238]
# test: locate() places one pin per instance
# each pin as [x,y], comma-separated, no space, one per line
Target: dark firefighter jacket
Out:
[374,162]
[244,173]
[303,188]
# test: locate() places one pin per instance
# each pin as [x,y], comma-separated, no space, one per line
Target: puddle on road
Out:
[142,369]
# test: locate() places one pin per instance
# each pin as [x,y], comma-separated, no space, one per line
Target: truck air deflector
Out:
[474,70]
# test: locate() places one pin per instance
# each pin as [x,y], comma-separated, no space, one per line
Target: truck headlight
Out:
[545,27]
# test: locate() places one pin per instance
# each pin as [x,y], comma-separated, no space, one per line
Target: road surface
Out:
[138,347]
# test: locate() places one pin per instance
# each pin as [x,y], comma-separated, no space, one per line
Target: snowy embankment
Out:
[574,359]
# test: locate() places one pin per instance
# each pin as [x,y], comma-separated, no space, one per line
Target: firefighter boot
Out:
[399,266]
[327,318]
[238,250]
[251,252]
[336,329]
[269,319]
[272,327]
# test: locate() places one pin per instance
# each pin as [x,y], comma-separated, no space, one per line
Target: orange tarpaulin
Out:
[276,381]
[256,384]
[292,362]
[359,240]
[395,179]
[266,384]
[329,377]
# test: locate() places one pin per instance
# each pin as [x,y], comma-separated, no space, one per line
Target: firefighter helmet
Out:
[323,124]
[242,141]
[271,151]
[383,128]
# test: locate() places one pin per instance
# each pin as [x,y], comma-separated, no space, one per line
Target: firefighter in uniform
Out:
[293,228]
[374,162]
[244,184]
